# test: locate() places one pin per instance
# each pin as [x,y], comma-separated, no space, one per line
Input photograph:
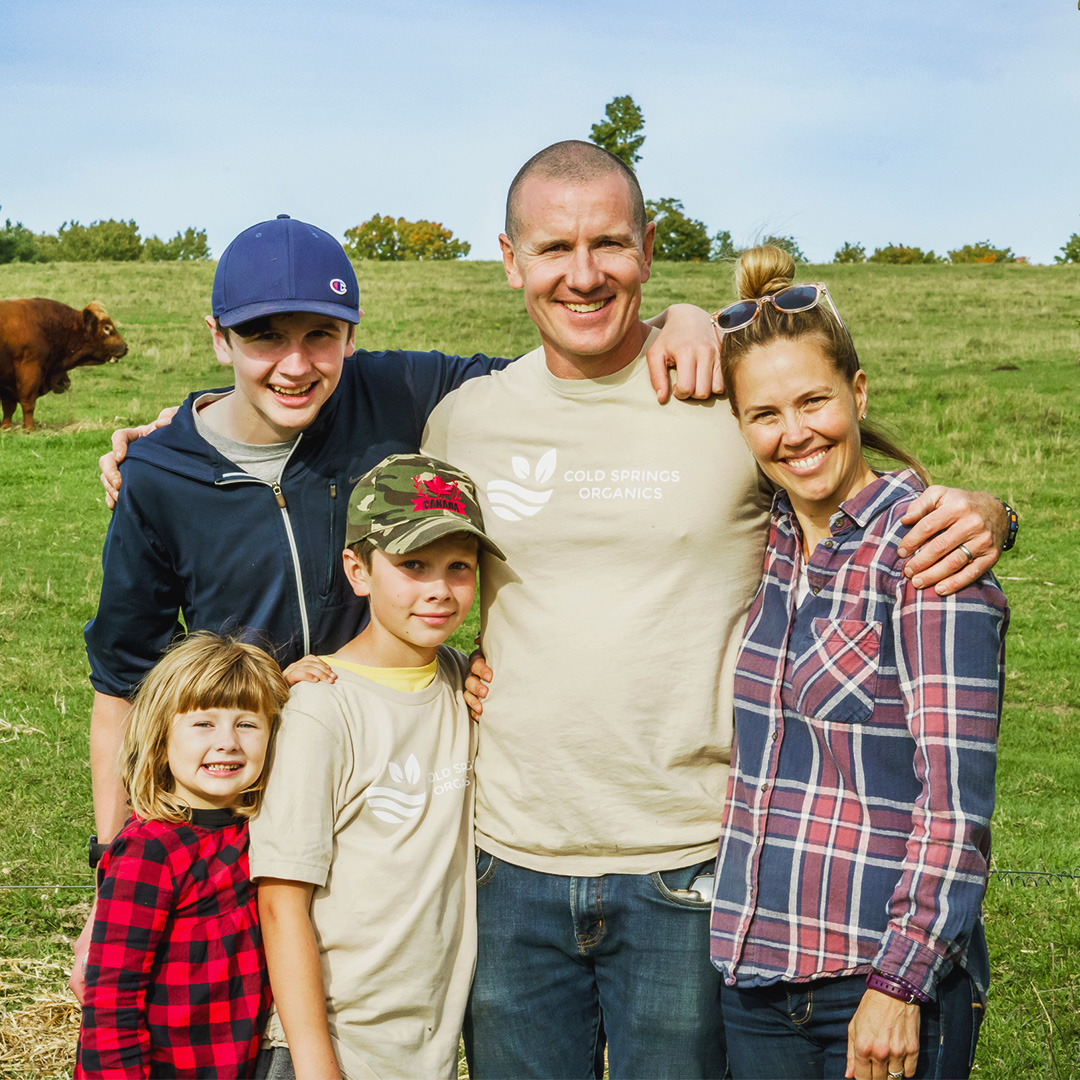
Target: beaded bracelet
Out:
[896,987]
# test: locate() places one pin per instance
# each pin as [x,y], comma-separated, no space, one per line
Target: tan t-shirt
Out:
[370,800]
[634,536]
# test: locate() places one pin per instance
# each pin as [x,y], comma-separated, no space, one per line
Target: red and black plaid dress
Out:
[176,980]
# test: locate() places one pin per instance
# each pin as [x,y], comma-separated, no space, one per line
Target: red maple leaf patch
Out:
[438,494]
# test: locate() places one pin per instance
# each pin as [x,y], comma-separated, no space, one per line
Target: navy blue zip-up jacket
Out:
[193,535]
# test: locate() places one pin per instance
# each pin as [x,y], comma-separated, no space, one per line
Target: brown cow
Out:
[41,341]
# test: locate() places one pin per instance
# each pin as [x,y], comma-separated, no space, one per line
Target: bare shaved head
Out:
[575,162]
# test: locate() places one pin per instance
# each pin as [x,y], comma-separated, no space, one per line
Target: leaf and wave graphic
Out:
[512,501]
[396,807]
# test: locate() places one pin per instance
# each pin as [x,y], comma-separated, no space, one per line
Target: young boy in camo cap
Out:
[363,848]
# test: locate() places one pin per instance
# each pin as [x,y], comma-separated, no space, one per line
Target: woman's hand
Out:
[77,979]
[883,1038]
[309,669]
[109,463]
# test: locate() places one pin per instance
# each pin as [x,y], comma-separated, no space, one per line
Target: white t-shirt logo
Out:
[512,501]
[389,804]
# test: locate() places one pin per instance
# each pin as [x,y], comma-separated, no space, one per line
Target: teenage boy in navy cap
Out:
[233,516]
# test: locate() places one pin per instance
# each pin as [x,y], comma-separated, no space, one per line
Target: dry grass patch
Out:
[10,732]
[39,1019]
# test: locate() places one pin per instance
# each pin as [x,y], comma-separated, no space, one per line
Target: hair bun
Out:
[762,271]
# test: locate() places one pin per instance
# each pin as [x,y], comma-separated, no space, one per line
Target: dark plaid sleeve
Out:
[951,661]
[134,901]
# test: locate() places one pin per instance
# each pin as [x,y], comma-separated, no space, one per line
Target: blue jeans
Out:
[566,964]
[798,1031]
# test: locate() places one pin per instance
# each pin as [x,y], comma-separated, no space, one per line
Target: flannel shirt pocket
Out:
[835,679]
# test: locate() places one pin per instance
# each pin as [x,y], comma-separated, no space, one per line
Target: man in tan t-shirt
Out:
[633,535]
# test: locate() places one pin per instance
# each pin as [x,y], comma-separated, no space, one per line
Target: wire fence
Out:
[1031,878]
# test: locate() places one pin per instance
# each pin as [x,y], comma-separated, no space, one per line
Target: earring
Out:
[863,417]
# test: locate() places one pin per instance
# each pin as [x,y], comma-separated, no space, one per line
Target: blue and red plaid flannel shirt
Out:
[176,981]
[856,831]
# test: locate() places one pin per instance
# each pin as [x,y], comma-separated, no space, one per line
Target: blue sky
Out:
[926,122]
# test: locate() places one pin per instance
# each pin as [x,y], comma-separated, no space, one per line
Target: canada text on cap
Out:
[410,500]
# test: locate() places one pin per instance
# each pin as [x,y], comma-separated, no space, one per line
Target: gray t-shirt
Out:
[263,461]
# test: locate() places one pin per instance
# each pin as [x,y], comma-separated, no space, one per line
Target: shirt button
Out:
[765,786]
[775,735]
[828,543]
[815,590]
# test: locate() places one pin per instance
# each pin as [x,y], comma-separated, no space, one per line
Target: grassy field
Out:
[975,367]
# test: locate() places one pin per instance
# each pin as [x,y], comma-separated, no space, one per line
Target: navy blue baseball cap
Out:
[284,265]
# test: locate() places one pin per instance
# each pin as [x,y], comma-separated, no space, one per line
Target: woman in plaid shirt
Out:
[853,859]
[176,981]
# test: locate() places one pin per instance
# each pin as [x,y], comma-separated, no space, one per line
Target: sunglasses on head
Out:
[791,300]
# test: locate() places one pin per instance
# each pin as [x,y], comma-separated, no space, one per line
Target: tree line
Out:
[115,241]
[379,237]
[902,255]
[982,252]
[390,239]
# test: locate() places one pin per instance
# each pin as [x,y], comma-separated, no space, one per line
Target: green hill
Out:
[973,367]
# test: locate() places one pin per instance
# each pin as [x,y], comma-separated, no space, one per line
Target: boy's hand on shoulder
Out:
[109,463]
[476,683]
[309,669]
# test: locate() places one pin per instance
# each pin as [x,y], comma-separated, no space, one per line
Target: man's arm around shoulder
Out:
[957,536]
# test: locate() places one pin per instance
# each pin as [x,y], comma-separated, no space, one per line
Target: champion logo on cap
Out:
[339,286]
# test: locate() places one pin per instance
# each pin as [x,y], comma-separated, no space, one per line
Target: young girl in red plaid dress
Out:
[176,982]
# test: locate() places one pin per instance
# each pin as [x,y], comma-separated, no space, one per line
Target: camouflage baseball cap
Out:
[410,500]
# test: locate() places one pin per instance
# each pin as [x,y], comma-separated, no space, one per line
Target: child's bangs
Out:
[228,674]
[236,681]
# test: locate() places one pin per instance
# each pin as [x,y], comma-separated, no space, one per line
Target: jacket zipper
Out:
[276,488]
[279,496]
